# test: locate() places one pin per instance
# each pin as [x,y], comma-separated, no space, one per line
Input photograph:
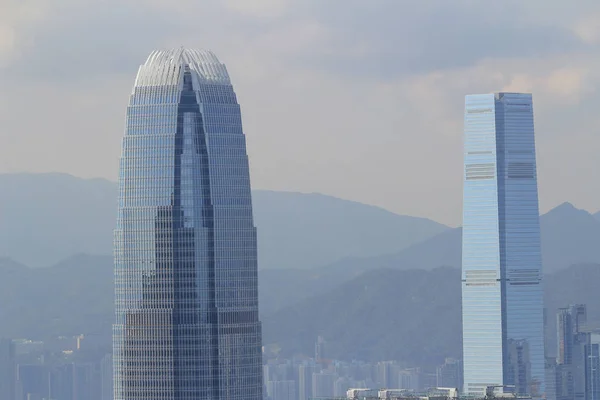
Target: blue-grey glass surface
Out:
[186,290]
[591,358]
[502,297]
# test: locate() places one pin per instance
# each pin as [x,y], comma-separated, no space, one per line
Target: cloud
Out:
[390,39]
[357,99]
[588,28]
[84,39]
[16,16]
[7,40]
[382,40]
[258,8]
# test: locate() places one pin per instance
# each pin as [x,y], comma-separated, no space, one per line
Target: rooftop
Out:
[164,67]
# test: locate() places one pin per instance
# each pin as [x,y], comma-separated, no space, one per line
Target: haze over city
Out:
[359,100]
[299,200]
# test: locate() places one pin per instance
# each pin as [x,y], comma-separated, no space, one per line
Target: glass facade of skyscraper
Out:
[186,290]
[502,293]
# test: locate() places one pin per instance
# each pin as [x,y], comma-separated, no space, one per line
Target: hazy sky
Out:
[357,99]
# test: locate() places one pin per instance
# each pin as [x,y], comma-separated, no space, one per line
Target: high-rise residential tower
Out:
[8,368]
[186,292]
[569,323]
[575,351]
[502,296]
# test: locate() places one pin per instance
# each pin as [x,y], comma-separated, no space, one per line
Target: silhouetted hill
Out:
[385,314]
[76,295]
[280,288]
[298,230]
[577,284]
[569,236]
[45,218]
[410,315]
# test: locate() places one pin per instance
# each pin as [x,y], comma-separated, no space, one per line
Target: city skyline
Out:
[502,294]
[186,284]
[405,96]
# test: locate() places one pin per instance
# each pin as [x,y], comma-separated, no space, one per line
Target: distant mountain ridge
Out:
[298,230]
[45,218]
[409,315]
[393,293]
[569,236]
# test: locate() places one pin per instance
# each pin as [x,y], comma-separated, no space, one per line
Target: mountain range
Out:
[569,236]
[381,314]
[377,285]
[411,315]
[45,218]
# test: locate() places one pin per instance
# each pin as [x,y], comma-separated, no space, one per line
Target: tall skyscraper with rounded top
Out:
[502,292]
[186,289]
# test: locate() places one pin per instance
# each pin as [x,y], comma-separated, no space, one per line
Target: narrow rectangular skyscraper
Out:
[502,293]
